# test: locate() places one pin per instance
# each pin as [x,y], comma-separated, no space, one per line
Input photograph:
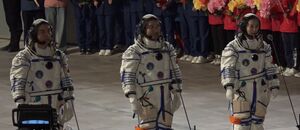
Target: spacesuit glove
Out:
[176,103]
[136,107]
[274,93]
[20,101]
[229,93]
[66,112]
[68,95]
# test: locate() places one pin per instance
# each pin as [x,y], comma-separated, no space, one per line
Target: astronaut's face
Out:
[44,34]
[153,30]
[252,27]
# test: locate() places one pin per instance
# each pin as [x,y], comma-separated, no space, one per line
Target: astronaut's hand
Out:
[65,112]
[136,107]
[274,93]
[68,95]
[229,93]
[176,103]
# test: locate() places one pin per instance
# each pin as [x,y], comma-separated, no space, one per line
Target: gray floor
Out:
[101,105]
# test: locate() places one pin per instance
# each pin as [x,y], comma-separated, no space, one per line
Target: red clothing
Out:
[289,23]
[215,19]
[242,12]
[183,1]
[229,22]
[276,22]
[265,23]
[276,17]
[298,18]
[204,1]
[56,3]
[162,2]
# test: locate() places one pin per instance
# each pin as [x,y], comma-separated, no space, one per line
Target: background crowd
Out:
[198,29]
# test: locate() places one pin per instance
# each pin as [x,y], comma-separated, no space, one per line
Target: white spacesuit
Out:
[41,76]
[151,79]
[248,75]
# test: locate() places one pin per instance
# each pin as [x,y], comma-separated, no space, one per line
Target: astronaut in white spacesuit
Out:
[151,78]
[40,74]
[248,75]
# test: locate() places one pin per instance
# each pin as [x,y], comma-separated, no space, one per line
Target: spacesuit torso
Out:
[149,70]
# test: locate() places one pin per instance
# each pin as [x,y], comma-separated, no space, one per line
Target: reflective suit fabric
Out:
[149,73]
[251,73]
[41,80]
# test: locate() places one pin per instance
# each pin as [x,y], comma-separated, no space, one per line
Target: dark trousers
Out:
[12,9]
[135,18]
[267,34]
[109,31]
[169,29]
[184,30]
[101,31]
[298,52]
[28,18]
[128,32]
[131,20]
[84,31]
[199,32]
[218,38]
[278,51]
[119,37]
[229,36]
[289,43]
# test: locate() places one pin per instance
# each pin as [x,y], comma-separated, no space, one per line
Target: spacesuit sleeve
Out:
[66,81]
[175,71]
[129,67]
[228,66]
[271,69]
[18,75]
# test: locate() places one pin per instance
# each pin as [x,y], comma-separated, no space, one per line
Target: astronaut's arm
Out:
[228,69]
[176,74]
[18,77]
[66,81]
[129,67]
[271,70]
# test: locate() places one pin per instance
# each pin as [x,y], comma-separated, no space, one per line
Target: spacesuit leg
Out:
[259,116]
[257,126]
[241,127]
[241,121]
[241,117]
[260,109]
[148,117]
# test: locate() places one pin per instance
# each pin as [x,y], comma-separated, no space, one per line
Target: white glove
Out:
[176,103]
[68,95]
[229,93]
[136,107]
[66,112]
[274,93]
